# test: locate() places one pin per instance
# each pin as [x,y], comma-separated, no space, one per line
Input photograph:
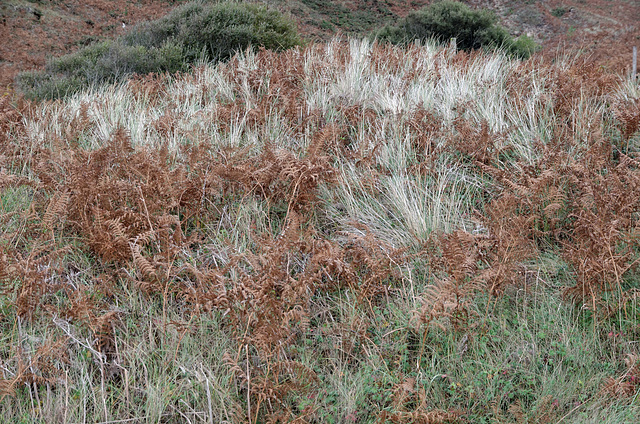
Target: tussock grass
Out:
[346,232]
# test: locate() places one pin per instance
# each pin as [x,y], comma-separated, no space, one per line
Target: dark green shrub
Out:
[559,12]
[522,47]
[109,61]
[45,86]
[442,21]
[100,63]
[213,31]
[218,30]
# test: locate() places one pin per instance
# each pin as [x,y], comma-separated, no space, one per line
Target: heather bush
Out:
[472,29]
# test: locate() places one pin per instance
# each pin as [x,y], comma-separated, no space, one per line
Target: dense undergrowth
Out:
[342,233]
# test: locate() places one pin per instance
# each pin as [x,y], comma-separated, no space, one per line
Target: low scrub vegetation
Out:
[345,232]
[446,20]
[101,63]
[216,31]
[196,31]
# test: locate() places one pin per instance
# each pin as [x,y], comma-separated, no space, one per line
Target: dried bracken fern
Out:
[628,113]
[446,303]
[35,368]
[214,204]
[606,215]
[56,211]
[546,412]
[627,384]
[410,406]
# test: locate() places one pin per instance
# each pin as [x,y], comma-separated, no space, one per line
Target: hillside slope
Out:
[343,233]
[33,30]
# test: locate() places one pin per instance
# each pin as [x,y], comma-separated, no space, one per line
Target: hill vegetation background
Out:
[35,30]
[344,231]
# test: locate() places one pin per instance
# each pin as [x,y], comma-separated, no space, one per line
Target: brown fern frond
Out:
[480,144]
[515,409]
[117,230]
[627,384]
[5,275]
[605,214]
[103,328]
[325,138]
[149,87]
[33,287]
[82,307]
[143,264]
[291,229]
[628,113]
[420,416]
[10,180]
[145,238]
[446,302]
[39,367]
[8,388]
[56,210]
[78,124]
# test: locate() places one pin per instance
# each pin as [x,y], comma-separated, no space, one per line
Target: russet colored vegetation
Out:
[345,232]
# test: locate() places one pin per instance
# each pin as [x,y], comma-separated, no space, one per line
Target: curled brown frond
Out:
[56,210]
[147,270]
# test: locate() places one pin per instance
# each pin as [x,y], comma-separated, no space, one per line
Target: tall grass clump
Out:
[199,30]
[444,20]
